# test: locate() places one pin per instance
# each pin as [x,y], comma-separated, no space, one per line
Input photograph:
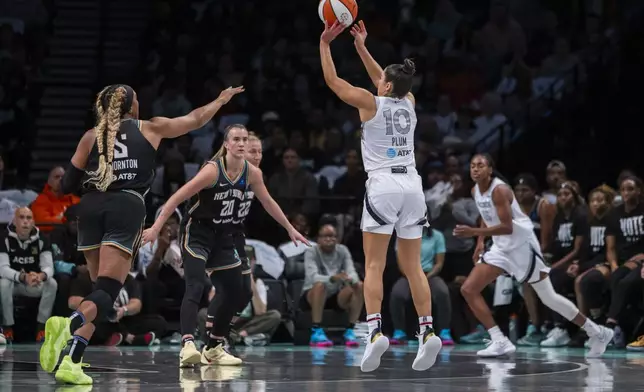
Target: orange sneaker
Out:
[40,336]
[8,334]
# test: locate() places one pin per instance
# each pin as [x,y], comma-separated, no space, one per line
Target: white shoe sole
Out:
[190,360]
[496,355]
[427,357]
[609,338]
[371,362]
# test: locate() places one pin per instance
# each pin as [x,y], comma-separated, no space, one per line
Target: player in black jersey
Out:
[208,244]
[116,160]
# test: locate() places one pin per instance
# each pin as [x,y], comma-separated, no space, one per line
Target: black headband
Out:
[126,106]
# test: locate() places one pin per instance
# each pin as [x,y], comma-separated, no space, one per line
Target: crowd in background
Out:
[479,68]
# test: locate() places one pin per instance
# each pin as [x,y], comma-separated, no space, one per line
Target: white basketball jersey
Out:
[388,138]
[522,228]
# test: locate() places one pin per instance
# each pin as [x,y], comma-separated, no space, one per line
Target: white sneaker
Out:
[377,344]
[497,348]
[599,342]
[557,338]
[189,355]
[429,345]
[3,340]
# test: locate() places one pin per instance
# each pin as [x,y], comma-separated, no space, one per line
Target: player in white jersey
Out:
[516,251]
[394,195]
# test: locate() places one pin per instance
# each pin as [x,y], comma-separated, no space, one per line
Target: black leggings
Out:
[594,286]
[228,285]
[625,284]
[197,285]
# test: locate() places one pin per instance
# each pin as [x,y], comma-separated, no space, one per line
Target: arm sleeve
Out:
[72,179]
[311,271]
[6,272]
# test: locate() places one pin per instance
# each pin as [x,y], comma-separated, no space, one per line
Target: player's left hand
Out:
[149,235]
[331,32]
[296,236]
[463,231]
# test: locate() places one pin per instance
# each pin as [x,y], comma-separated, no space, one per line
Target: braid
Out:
[109,121]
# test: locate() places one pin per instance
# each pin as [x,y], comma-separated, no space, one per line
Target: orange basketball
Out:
[343,10]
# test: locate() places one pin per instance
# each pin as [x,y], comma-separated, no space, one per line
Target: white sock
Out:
[591,328]
[425,322]
[374,321]
[496,334]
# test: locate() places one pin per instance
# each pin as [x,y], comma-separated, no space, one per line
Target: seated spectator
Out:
[160,265]
[569,230]
[432,260]
[625,253]
[256,324]
[68,260]
[26,269]
[294,187]
[591,285]
[331,281]
[129,327]
[50,205]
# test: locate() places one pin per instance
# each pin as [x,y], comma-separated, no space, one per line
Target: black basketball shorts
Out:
[204,241]
[114,218]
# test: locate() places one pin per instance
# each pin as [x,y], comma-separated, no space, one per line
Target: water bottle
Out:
[514,328]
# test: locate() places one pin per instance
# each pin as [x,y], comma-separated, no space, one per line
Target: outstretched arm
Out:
[206,177]
[359,32]
[256,181]
[163,127]
[354,96]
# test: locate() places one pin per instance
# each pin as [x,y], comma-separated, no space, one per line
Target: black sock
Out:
[76,348]
[76,320]
[352,325]
[214,342]
[187,339]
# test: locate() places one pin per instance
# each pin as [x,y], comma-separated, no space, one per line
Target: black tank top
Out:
[223,203]
[133,163]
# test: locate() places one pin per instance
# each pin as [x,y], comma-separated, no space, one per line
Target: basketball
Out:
[343,10]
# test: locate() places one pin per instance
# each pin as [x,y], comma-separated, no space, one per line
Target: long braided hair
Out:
[112,103]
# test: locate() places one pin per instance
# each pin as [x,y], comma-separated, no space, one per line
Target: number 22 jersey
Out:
[388,138]
[224,203]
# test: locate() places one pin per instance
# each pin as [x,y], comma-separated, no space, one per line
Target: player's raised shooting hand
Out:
[226,95]
[331,32]
[359,33]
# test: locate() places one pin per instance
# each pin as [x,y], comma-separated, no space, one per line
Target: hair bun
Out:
[409,67]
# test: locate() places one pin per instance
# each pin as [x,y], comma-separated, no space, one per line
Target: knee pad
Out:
[105,293]
[555,301]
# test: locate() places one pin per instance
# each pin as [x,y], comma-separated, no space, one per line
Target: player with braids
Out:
[211,240]
[115,162]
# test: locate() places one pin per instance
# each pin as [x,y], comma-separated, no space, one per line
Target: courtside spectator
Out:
[331,281]
[26,269]
[50,205]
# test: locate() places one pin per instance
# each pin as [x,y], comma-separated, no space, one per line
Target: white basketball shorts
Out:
[394,201]
[525,262]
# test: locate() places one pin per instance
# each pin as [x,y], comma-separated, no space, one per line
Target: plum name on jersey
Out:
[235,193]
[399,141]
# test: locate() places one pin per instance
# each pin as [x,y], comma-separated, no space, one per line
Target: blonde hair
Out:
[222,150]
[106,129]
[252,137]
